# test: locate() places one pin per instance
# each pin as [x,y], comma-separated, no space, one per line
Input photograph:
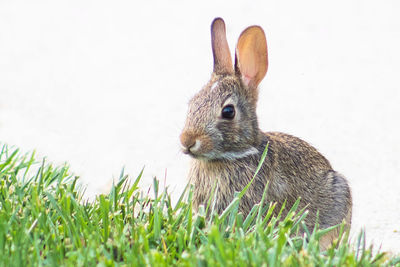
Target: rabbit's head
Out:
[221,121]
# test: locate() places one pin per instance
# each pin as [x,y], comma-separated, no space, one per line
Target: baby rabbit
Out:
[222,136]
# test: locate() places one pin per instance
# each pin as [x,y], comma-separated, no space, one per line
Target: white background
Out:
[105,84]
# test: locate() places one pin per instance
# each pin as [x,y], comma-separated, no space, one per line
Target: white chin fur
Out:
[196,146]
[232,155]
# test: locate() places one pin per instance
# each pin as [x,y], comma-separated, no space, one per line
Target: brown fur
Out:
[227,152]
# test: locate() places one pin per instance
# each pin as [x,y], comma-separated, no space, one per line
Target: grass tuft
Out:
[44,221]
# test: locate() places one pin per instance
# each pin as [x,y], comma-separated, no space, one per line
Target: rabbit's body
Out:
[222,135]
[292,168]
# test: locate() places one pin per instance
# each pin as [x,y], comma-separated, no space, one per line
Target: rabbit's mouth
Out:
[196,145]
[196,154]
[187,151]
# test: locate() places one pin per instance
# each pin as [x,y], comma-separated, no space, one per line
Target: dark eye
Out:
[228,112]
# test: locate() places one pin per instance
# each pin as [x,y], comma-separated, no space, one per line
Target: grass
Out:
[44,221]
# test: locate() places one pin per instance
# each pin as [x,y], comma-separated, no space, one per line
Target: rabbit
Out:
[222,136]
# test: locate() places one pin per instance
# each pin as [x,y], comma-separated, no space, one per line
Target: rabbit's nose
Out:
[187,141]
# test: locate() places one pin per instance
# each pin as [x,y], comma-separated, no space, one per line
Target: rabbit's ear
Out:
[251,60]
[220,48]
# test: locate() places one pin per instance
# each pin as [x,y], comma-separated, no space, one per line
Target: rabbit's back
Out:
[299,170]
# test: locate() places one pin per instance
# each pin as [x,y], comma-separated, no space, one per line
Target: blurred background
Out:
[105,84]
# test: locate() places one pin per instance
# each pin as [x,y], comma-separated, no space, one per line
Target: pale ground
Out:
[103,85]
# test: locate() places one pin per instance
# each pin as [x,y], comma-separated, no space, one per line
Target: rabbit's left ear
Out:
[251,60]
[220,48]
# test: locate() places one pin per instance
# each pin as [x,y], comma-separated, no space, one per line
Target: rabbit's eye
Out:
[228,112]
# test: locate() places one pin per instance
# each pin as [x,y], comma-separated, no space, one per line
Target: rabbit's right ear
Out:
[220,48]
[251,61]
